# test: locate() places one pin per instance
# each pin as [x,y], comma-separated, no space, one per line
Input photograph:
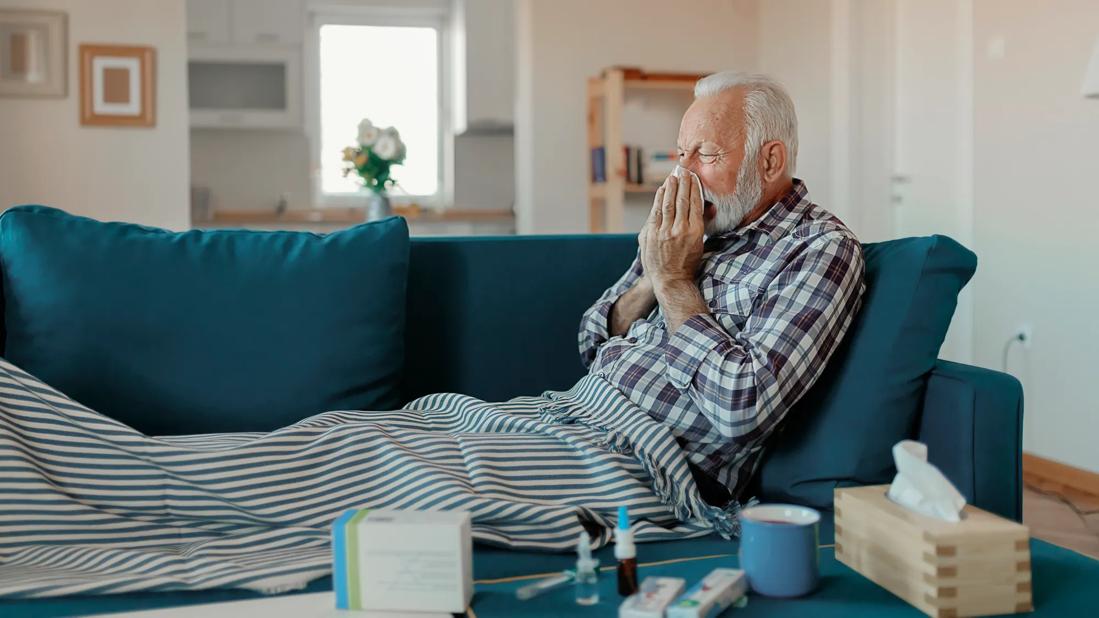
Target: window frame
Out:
[430,17]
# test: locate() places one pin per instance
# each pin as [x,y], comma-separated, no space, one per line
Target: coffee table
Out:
[1065,584]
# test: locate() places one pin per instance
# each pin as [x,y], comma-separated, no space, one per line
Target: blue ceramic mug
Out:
[778,549]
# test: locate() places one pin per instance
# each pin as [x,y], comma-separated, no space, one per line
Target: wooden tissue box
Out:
[976,567]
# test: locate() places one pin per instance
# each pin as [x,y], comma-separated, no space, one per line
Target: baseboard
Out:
[1057,477]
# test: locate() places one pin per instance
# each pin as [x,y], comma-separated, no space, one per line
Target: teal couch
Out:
[496,317]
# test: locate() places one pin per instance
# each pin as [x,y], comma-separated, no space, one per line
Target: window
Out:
[387,69]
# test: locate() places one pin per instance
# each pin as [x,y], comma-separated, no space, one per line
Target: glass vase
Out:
[377,206]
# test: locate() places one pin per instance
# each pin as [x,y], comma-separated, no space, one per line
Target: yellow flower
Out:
[360,160]
[348,153]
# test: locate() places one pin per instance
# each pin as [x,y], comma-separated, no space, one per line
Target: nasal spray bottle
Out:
[587,581]
[626,554]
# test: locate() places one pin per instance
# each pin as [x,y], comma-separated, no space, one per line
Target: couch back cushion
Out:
[497,317]
[205,331]
[868,398]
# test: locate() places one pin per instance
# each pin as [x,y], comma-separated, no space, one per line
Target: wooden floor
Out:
[1068,521]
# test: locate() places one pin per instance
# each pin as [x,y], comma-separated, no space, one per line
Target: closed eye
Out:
[708,158]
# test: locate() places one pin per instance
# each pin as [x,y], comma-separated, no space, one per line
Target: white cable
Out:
[1016,338]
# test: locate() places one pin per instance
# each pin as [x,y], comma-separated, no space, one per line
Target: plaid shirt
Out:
[782,292]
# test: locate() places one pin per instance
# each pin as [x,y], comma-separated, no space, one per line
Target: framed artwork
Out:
[117,85]
[33,48]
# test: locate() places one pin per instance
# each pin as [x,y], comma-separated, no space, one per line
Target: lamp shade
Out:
[1091,75]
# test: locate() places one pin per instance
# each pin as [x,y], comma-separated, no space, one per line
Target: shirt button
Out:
[631,340]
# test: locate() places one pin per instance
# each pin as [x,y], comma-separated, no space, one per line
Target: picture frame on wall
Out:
[33,49]
[117,85]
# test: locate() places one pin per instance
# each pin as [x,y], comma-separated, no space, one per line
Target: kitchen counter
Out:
[453,221]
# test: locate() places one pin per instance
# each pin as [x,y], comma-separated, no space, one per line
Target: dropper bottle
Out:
[626,554]
[587,581]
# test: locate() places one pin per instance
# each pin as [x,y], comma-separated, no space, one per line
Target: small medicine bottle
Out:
[626,553]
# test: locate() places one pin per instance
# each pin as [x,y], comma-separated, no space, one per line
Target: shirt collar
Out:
[779,218]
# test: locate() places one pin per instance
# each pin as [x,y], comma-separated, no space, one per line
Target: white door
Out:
[933,179]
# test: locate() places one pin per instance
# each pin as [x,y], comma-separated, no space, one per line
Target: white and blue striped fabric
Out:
[91,506]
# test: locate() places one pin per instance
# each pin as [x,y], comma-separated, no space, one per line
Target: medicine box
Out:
[652,598]
[975,567]
[402,560]
[711,596]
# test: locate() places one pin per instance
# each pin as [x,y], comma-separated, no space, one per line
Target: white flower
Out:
[368,133]
[387,147]
[396,136]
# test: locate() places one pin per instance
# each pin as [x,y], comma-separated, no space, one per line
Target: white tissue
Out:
[694,176]
[921,487]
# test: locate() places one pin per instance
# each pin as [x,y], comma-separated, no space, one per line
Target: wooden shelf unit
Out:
[605,99]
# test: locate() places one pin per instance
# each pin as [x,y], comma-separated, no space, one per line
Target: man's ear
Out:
[773,158]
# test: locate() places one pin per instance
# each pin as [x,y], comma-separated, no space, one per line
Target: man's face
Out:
[711,144]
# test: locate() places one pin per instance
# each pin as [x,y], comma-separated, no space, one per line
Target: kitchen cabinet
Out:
[245,22]
[244,63]
[244,88]
[207,22]
[262,22]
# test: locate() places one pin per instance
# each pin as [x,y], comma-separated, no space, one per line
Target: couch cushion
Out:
[205,331]
[868,397]
[496,316]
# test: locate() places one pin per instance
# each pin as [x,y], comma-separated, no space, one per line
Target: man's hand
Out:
[671,240]
[671,249]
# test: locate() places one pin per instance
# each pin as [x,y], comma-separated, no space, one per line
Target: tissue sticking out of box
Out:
[921,487]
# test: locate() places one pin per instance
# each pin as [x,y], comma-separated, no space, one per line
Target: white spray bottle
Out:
[587,579]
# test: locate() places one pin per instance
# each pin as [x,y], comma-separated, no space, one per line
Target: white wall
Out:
[125,173]
[562,43]
[1035,214]
[805,68]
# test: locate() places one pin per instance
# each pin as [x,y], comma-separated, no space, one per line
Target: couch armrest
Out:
[972,424]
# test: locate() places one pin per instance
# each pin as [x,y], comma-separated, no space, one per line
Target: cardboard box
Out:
[975,567]
[403,560]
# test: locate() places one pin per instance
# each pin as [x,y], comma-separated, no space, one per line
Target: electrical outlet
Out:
[1025,334]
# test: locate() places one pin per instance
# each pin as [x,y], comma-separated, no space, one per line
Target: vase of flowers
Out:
[378,150]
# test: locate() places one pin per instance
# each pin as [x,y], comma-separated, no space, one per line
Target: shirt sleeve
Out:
[594,325]
[745,381]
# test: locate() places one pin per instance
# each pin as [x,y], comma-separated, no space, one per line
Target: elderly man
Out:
[738,295]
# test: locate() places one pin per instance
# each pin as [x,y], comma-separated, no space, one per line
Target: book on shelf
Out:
[598,164]
[641,167]
[633,155]
[659,165]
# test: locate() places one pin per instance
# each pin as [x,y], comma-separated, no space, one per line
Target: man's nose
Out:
[691,164]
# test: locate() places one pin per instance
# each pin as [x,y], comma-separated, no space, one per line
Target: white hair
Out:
[768,111]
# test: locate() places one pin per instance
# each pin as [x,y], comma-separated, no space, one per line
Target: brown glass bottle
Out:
[627,576]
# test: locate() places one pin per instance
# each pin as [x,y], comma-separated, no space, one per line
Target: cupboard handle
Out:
[266,37]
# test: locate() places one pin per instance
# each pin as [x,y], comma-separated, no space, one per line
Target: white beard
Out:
[731,209]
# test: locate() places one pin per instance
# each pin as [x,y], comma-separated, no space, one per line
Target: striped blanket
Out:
[89,505]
